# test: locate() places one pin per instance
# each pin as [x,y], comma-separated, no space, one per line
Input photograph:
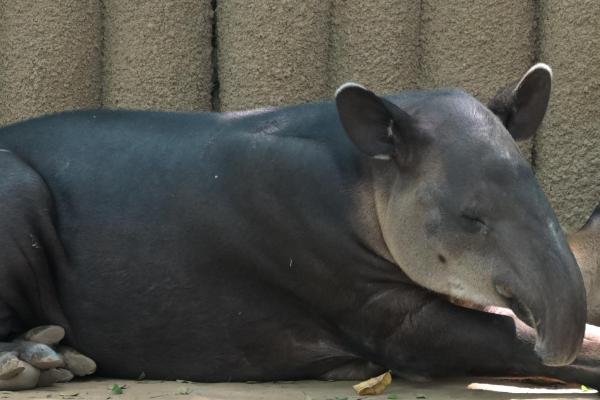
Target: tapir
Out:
[323,240]
[585,245]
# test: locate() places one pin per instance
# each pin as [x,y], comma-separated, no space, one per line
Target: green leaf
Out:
[117,389]
[585,388]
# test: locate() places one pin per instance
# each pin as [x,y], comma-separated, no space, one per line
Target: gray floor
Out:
[302,390]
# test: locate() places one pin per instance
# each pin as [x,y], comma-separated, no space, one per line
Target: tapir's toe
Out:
[40,355]
[10,365]
[26,379]
[54,375]
[47,334]
[76,362]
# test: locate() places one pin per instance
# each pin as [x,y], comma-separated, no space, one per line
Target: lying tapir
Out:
[315,241]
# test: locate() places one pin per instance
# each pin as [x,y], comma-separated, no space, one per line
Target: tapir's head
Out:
[459,207]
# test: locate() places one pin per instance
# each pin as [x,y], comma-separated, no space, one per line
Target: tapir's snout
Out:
[550,297]
[563,315]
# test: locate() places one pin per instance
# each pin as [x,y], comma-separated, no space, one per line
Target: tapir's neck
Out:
[371,201]
[385,182]
[309,166]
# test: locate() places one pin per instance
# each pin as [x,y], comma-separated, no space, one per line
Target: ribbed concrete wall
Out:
[161,54]
[377,46]
[476,45]
[158,54]
[272,52]
[49,56]
[568,148]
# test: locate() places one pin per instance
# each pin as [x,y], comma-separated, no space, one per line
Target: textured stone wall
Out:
[567,151]
[235,54]
[476,45]
[50,56]
[157,54]
[272,52]
[377,46]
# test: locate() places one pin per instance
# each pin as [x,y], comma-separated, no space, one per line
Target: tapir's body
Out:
[283,244]
[207,246]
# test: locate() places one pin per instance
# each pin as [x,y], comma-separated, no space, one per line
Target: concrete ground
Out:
[100,389]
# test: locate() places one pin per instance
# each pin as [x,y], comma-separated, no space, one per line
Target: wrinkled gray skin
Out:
[312,241]
[585,245]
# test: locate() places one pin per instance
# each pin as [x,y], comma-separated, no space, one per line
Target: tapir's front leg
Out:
[437,338]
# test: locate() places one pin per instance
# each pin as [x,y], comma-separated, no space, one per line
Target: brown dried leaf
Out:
[374,385]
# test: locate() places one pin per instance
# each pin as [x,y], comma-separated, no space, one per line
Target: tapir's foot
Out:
[76,362]
[32,361]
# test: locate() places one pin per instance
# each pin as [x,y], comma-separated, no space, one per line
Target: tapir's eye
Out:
[473,223]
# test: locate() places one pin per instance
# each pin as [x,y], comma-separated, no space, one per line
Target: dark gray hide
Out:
[266,245]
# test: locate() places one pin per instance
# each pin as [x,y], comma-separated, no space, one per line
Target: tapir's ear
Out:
[522,106]
[376,126]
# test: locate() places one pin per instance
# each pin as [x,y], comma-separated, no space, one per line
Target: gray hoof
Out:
[27,379]
[39,355]
[10,365]
[54,375]
[47,334]
[76,362]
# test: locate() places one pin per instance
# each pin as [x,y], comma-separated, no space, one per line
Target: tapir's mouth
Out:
[465,303]
[515,309]
[548,308]
[551,354]
[523,313]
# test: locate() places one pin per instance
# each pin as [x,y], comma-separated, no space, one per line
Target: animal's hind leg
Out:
[29,250]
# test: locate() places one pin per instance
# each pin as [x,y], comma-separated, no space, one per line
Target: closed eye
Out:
[474,224]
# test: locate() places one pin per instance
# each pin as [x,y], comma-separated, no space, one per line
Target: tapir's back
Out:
[155,163]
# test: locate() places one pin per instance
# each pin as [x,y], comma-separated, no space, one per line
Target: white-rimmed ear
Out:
[348,85]
[376,126]
[522,106]
[535,69]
